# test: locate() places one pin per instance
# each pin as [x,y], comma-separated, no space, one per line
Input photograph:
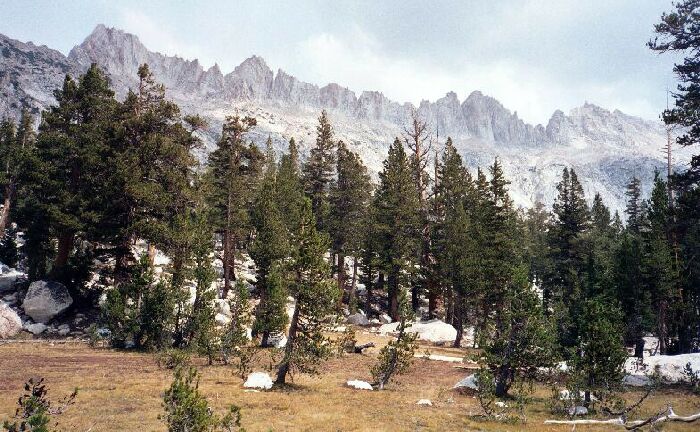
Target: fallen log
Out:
[359,348]
[667,415]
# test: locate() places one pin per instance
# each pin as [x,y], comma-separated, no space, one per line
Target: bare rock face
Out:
[602,146]
[28,76]
[10,322]
[45,300]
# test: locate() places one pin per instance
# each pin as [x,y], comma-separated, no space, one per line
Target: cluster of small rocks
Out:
[37,309]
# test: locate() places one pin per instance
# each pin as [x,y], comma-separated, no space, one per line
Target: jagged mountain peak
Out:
[602,145]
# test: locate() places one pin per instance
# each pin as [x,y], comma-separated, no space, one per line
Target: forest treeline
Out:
[573,282]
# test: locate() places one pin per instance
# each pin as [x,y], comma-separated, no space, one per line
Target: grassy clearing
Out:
[121,391]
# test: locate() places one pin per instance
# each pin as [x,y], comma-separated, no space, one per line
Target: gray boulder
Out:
[35,328]
[385,319]
[10,322]
[578,411]
[45,300]
[358,319]
[63,330]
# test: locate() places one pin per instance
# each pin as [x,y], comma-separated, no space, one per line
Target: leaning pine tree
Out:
[315,297]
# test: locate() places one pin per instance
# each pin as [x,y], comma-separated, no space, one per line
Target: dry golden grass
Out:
[121,391]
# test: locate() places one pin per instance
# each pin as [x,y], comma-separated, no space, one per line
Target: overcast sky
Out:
[534,56]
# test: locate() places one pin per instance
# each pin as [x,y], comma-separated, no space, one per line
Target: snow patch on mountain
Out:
[605,147]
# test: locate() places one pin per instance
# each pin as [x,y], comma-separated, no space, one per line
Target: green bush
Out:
[34,409]
[187,410]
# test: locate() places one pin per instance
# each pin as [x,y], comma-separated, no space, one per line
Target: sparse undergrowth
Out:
[123,391]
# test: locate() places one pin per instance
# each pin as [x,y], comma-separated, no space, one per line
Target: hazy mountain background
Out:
[605,147]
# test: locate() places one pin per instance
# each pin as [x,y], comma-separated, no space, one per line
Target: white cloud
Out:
[157,36]
[360,62]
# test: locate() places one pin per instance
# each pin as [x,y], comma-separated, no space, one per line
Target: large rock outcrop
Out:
[45,300]
[603,146]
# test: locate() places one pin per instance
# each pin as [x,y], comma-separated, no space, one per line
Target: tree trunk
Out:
[449,307]
[353,286]
[65,246]
[502,381]
[151,254]
[265,341]
[639,347]
[459,326]
[415,298]
[228,263]
[341,279]
[5,214]
[291,339]
[124,259]
[393,294]
[432,302]
[662,328]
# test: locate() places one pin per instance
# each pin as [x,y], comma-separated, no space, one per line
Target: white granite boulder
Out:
[45,300]
[435,331]
[258,380]
[360,385]
[10,322]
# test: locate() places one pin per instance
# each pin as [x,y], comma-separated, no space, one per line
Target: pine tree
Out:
[600,270]
[677,33]
[15,146]
[234,342]
[196,328]
[315,297]
[633,291]
[152,169]
[419,143]
[523,340]
[319,171]
[660,269]
[568,248]
[67,189]
[500,256]
[398,223]
[597,367]
[187,410]
[452,242]
[234,172]
[140,310]
[396,357]
[289,188]
[268,248]
[349,199]
[537,224]
[370,263]
[634,205]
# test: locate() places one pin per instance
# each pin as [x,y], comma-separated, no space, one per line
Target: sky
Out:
[534,56]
